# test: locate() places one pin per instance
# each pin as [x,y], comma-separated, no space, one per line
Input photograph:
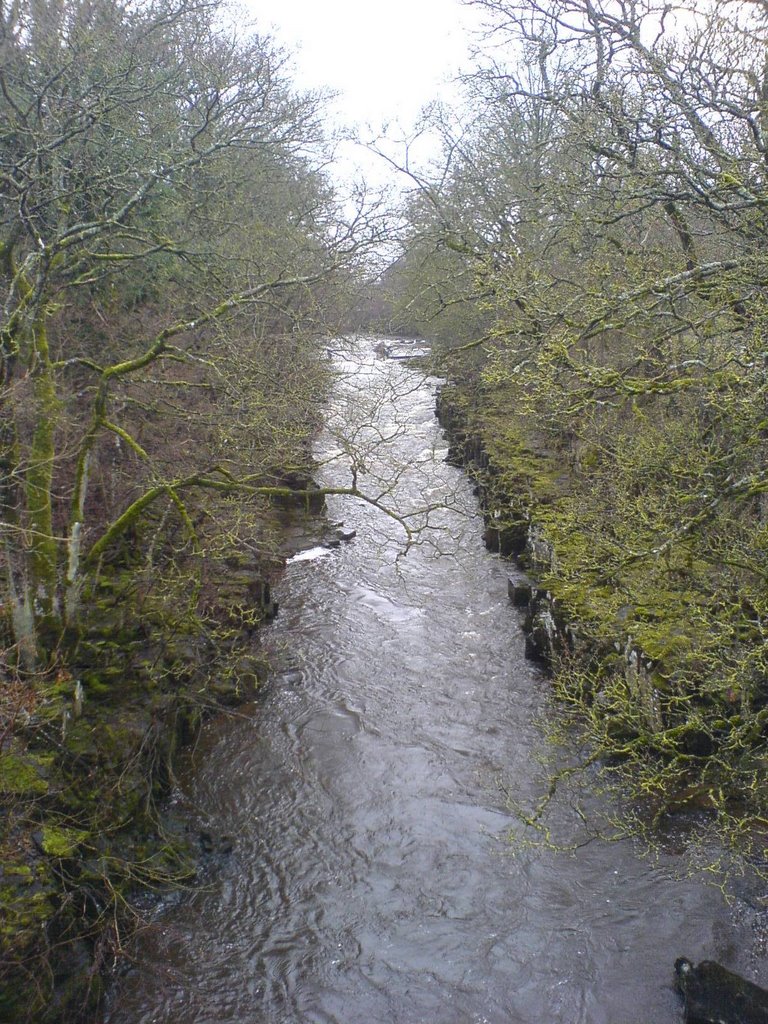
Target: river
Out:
[372,879]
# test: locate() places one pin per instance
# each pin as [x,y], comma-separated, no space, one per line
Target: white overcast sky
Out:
[385,58]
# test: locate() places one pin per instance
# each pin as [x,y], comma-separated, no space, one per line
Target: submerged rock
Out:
[213,845]
[334,540]
[715,995]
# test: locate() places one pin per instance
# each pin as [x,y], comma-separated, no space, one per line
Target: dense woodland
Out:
[590,258]
[169,241]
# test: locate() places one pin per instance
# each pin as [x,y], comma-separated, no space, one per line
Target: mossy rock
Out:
[24,909]
[22,873]
[61,842]
[21,776]
[81,741]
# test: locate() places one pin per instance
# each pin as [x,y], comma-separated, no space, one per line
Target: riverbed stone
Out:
[541,640]
[715,995]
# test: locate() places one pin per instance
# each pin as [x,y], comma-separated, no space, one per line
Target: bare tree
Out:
[161,193]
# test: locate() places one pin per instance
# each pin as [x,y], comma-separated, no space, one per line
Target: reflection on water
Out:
[371,879]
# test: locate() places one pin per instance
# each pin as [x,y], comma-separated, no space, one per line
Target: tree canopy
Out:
[169,242]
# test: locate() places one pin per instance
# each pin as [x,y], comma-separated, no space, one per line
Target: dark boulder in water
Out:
[715,995]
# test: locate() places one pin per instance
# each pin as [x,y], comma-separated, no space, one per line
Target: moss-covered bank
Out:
[658,659]
[87,754]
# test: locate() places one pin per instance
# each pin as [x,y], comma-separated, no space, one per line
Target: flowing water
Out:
[372,880]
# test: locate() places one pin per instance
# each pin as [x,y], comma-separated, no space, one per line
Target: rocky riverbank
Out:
[509,497]
[622,668]
[87,756]
[510,529]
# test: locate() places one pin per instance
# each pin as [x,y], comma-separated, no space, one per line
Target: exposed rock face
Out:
[510,532]
[306,496]
[542,638]
[715,995]
[547,636]
[538,554]
[520,593]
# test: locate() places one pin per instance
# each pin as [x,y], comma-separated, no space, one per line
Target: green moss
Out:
[21,911]
[62,842]
[80,739]
[23,872]
[519,469]
[20,776]
[95,685]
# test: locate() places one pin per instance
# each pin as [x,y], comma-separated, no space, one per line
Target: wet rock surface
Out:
[715,995]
